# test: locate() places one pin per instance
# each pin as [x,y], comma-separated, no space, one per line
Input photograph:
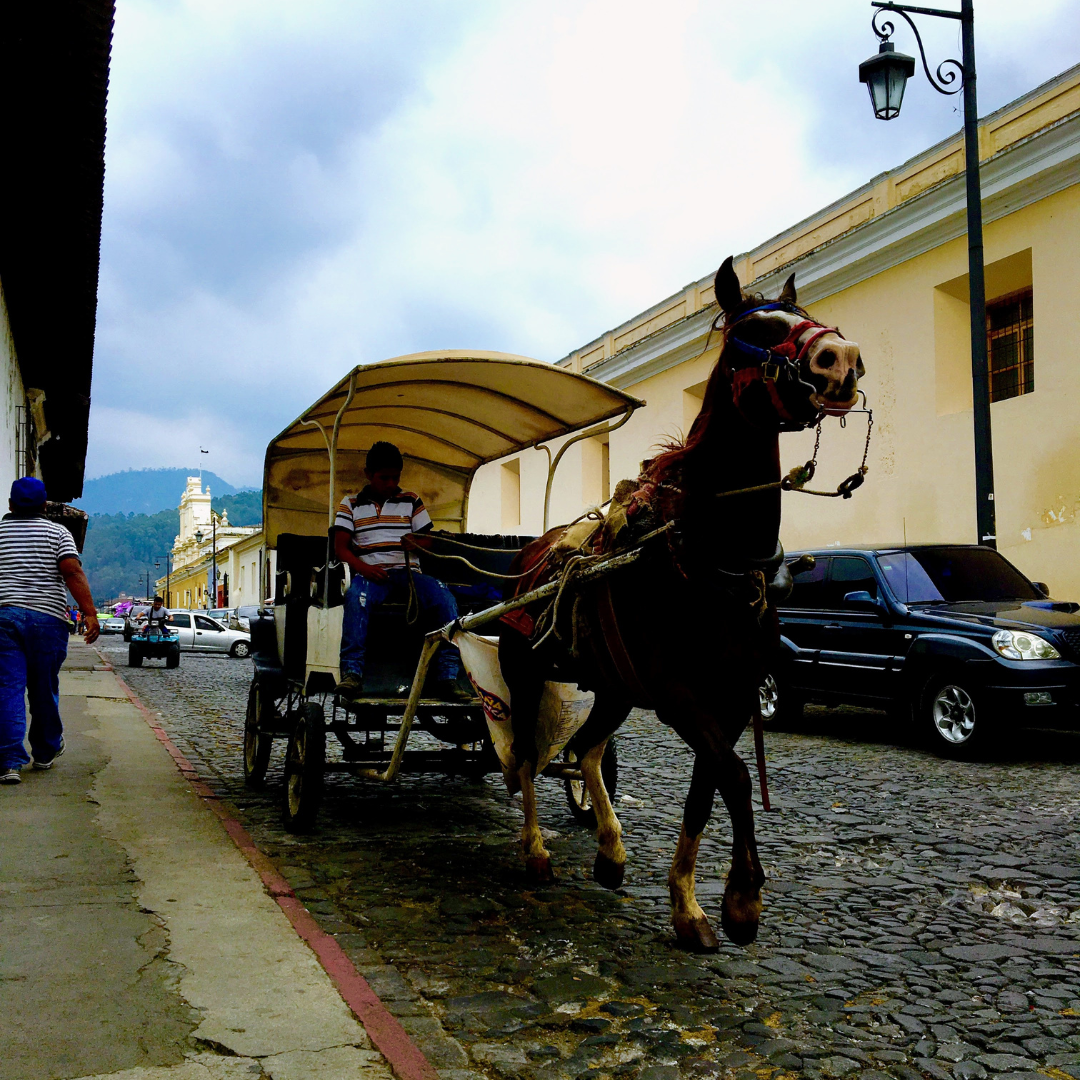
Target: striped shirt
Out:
[377,530]
[30,552]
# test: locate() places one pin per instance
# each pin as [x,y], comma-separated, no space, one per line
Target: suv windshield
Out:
[947,574]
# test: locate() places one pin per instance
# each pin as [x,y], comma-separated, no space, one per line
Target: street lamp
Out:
[213,555]
[168,569]
[885,76]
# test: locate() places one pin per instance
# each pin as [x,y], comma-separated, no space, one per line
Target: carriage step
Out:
[399,703]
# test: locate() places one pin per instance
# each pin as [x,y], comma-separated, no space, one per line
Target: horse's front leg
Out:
[742,895]
[692,928]
[610,865]
[537,859]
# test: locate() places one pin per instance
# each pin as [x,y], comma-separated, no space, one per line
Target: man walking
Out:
[38,558]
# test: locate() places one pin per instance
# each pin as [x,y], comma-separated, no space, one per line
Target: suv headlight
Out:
[1020,645]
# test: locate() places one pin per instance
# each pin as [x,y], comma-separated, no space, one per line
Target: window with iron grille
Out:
[1010,345]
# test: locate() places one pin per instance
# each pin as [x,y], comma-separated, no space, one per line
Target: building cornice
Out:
[1023,173]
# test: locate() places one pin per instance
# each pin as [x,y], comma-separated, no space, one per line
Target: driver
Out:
[368,532]
[157,616]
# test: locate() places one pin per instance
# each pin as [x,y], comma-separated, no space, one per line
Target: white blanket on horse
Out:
[563,707]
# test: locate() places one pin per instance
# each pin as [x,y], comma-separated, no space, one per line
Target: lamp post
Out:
[886,75]
[168,569]
[213,555]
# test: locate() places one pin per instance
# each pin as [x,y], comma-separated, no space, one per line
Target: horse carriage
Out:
[668,603]
[449,414]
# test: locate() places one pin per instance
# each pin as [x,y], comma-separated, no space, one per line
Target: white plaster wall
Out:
[12,394]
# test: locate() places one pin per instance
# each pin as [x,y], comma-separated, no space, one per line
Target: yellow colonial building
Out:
[202,533]
[888,265]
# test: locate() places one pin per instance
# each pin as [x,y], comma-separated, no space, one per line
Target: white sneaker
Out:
[49,764]
[10,776]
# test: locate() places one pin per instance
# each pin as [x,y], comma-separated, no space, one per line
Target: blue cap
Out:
[28,493]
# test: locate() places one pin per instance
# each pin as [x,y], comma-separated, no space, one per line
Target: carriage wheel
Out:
[257,747]
[304,762]
[577,794]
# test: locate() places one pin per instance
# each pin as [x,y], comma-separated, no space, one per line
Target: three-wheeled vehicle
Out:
[152,643]
[448,413]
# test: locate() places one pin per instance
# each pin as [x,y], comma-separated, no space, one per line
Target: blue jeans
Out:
[33,646]
[437,605]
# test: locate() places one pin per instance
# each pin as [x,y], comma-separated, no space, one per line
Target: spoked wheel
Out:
[304,762]
[577,794]
[257,747]
[957,719]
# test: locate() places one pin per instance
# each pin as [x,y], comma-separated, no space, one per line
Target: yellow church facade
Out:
[888,266]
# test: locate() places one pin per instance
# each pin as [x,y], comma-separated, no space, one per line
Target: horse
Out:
[689,628]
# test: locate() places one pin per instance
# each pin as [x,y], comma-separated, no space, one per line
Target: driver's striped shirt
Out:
[377,529]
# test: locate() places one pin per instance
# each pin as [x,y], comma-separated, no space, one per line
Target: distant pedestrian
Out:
[38,558]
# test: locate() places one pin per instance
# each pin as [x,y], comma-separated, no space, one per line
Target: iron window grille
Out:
[1011,345]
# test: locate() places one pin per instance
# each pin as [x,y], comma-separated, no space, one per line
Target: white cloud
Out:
[292,189]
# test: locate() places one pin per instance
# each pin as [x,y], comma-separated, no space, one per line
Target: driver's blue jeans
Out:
[33,646]
[437,608]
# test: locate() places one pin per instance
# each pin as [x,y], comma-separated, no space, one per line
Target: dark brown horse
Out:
[686,630]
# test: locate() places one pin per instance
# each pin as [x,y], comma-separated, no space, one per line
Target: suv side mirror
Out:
[1042,587]
[861,600]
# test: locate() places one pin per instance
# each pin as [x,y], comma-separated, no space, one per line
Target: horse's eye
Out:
[826,358]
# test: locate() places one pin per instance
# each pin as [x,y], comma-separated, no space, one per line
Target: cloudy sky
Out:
[292,189]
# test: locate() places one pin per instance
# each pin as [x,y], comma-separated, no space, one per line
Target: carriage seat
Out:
[309,594]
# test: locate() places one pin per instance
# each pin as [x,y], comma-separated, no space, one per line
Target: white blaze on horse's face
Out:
[834,365]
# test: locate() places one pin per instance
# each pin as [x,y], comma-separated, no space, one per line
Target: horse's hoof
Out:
[538,871]
[606,872]
[696,935]
[738,931]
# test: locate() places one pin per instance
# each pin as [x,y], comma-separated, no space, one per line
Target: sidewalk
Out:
[136,940]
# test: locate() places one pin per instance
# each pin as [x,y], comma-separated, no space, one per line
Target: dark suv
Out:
[952,636]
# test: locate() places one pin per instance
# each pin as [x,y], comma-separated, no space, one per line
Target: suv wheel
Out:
[779,704]
[955,715]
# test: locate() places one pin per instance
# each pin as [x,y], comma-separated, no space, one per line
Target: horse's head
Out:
[786,370]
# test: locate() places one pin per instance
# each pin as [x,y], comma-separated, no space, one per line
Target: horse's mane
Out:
[674,452]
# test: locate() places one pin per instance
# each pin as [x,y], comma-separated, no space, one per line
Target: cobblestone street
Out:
[922,917]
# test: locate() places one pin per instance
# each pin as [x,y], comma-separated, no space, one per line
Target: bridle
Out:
[775,368]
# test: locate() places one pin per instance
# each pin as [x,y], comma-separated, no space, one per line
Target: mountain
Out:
[145,491]
[244,508]
[120,548]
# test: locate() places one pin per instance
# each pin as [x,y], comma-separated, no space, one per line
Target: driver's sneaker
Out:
[10,776]
[350,687]
[49,764]
[448,690]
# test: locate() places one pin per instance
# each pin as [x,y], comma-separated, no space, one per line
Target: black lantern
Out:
[198,537]
[886,75]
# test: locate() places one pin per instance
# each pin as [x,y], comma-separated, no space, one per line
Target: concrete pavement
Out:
[136,940]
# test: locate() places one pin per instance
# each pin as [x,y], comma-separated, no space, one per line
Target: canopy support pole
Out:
[331,450]
[553,463]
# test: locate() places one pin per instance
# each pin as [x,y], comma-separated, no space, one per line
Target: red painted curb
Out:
[383,1028]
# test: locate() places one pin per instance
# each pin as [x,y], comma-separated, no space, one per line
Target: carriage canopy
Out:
[448,412]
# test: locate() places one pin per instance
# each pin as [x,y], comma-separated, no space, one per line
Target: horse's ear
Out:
[726,286]
[787,293]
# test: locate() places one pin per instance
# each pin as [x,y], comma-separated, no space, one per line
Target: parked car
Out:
[200,633]
[112,625]
[245,613]
[951,637]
